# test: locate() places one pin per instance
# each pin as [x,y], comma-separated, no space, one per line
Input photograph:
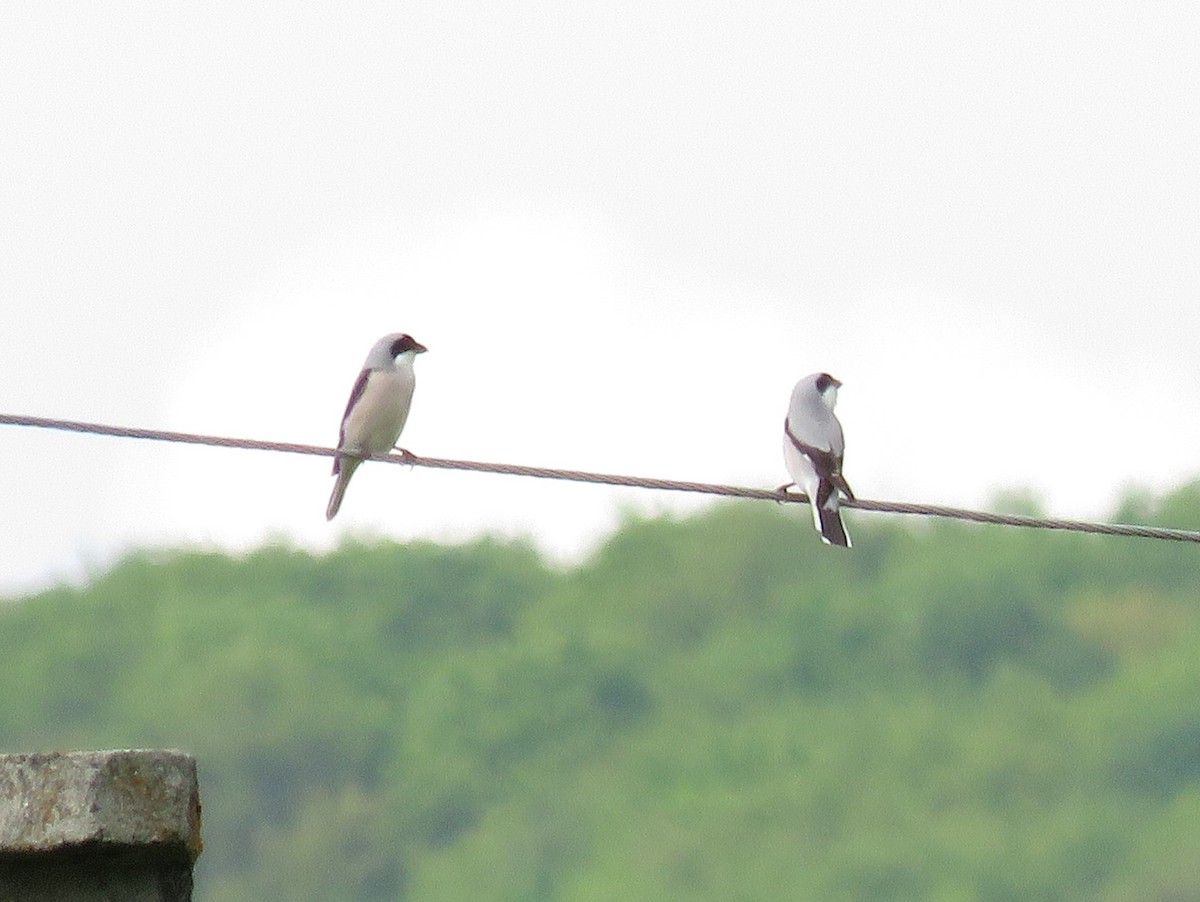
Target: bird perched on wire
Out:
[812,452]
[377,409]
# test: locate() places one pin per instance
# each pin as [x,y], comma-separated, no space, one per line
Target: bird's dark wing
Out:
[828,464]
[840,482]
[360,386]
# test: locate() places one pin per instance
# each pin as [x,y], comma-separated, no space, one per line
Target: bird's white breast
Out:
[377,419]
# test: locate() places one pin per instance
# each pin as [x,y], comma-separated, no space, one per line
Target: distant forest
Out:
[711,707]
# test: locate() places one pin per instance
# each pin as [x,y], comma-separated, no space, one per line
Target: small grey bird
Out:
[812,452]
[377,409]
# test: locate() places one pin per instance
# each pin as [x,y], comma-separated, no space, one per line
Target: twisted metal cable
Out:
[671,485]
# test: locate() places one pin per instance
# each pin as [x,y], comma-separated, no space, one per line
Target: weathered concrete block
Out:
[110,826]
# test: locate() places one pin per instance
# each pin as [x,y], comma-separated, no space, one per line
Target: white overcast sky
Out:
[623,231]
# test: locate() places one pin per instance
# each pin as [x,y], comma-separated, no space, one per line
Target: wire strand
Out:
[671,485]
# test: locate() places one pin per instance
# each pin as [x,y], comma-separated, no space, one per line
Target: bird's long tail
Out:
[827,518]
[344,472]
[833,531]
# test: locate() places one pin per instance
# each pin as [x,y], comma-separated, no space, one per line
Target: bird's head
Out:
[392,348]
[827,387]
[404,344]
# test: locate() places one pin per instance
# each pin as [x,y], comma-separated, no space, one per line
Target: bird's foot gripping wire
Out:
[409,457]
[783,490]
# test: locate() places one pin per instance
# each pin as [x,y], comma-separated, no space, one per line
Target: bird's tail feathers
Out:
[826,516]
[833,531]
[344,472]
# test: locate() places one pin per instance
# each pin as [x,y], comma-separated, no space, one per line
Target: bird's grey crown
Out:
[384,352]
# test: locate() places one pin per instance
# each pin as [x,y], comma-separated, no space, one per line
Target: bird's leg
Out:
[408,456]
[783,490]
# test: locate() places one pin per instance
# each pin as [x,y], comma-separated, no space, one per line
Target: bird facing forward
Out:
[377,409]
[812,452]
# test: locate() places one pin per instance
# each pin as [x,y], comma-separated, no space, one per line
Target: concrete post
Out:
[113,826]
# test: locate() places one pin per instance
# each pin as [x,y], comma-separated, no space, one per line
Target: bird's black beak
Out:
[419,348]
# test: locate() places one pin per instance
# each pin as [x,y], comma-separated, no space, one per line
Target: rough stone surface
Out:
[98,826]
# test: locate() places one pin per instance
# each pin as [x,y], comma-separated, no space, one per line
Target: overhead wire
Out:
[675,485]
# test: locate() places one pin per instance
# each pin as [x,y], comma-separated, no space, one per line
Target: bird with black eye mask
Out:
[377,410]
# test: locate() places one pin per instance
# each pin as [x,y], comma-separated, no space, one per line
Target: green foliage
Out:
[715,707]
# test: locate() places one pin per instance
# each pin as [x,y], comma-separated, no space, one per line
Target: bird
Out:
[813,446]
[377,409]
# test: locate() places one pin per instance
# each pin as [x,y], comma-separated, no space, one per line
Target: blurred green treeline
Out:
[715,707]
